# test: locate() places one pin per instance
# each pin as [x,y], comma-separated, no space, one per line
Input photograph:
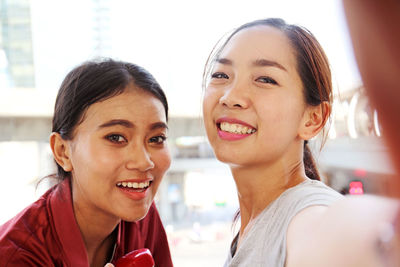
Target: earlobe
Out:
[61,151]
[314,120]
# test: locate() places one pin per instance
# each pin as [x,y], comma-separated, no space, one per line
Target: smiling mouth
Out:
[235,128]
[134,186]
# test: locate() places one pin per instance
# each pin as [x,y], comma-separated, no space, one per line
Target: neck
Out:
[97,231]
[259,185]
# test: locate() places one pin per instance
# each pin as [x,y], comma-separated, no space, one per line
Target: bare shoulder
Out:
[344,234]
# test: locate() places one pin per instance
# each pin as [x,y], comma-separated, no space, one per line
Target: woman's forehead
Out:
[133,105]
[260,42]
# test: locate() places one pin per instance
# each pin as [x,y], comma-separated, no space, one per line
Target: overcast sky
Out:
[172,39]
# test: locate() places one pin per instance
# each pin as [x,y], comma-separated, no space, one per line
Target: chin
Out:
[228,156]
[137,214]
[240,160]
[134,218]
[228,159]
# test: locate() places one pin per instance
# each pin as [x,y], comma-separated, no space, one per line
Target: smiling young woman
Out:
[109,143]
[268,91]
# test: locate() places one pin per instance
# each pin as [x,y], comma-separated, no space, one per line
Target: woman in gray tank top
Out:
[268,91]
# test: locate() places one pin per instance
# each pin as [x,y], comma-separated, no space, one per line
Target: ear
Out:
[61,151]
[313,120]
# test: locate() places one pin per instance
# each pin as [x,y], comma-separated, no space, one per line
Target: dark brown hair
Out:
[92,82]
[312,66]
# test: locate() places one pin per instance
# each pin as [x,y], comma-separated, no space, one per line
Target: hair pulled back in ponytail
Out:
[309,163]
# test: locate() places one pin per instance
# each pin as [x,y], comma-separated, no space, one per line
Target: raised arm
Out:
[375,33]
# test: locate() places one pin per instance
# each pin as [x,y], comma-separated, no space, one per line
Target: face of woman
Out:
[253,104]
[119,155]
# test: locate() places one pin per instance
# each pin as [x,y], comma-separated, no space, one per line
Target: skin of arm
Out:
[348,234]
[300,231]
[375,35]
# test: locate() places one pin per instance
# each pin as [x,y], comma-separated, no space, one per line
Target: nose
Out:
[235,97]
[139,159]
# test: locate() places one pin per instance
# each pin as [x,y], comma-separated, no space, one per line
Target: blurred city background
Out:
[40,41]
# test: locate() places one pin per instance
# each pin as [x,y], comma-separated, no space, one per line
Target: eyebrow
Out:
[128,124]
[268,63]
[124,123]
[224,61]
[158,125]
[256,63]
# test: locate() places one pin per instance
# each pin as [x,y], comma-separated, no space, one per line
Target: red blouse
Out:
[47,234]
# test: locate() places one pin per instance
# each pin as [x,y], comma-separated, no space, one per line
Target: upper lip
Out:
[233,120]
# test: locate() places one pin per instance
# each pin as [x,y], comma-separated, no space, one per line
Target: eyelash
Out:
[156,139]
[267,80]
[219,75]
[112,139]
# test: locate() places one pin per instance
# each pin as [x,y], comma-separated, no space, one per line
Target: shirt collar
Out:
[66,227]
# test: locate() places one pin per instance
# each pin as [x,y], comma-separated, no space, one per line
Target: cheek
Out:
[294,110]
[210,99]
[162,159]
[210,102]
[280,119]
[206,108]
[103,156]
[94,157]
[281,106]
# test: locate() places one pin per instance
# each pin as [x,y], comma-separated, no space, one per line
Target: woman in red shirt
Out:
[109,143]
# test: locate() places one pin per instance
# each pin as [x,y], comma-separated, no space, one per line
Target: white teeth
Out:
[134,185]
[236,128]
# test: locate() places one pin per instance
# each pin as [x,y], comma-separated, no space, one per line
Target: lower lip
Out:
[135,195]
[231,136]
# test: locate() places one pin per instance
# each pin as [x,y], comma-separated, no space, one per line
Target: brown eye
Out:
[116,138]
[219,75]
[158,139]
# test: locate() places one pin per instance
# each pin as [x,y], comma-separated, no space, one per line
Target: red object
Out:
[356,188]
[47,234]
[360,173]
[137,258]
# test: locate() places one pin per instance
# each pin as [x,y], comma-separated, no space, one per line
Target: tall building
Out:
[16,53]
[101,28]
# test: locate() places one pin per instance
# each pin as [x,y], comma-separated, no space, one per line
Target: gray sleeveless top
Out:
[265,243]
